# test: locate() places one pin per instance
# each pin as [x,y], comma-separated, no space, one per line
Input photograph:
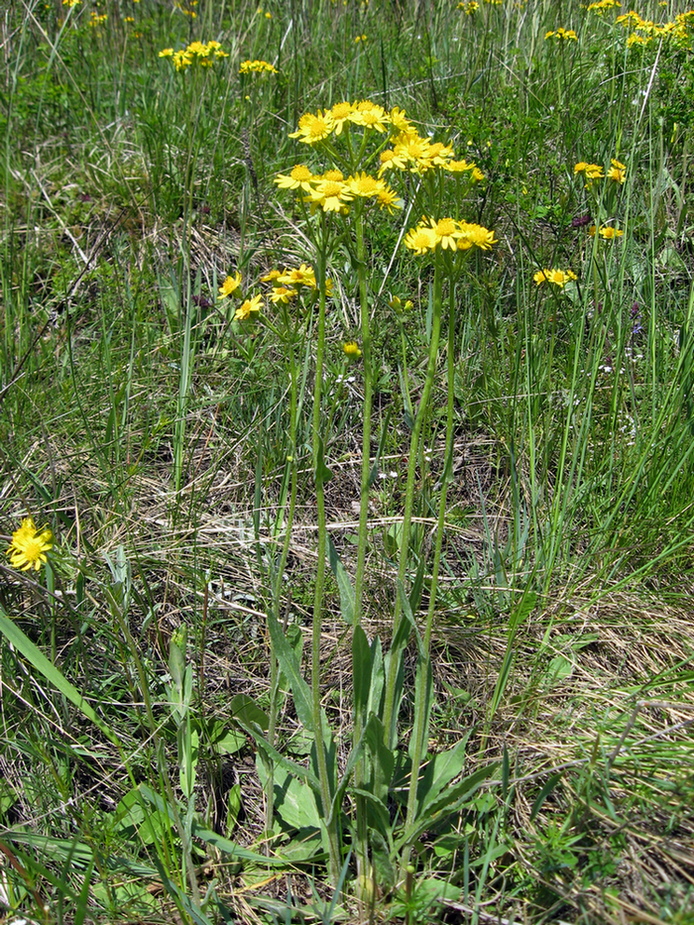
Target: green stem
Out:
[368,400]
[361,769]
[331,819]
[422,411]
[279,576]
[422,706]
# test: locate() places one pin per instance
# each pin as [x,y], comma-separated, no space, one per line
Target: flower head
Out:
[561,33]
[230,285]
[590,171]
[330,194]
[282,294]
[300,276]
[351,349]
[29,546]
[617,171]
[299,177]
[475,235]
[341,113]
[364,185]
[314,128]
[447,233]
[558,277]
[243,312]
[421,239]
[370,115]
[257,67]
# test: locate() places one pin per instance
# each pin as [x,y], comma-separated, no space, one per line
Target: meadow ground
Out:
[347,462]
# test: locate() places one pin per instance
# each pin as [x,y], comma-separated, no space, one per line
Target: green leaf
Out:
[295,802]
[246,713]
[289,665]
[449,802]
[548,787]
[344,584]
[322,474]
[209,837]
[38,660]
[440,771]
[362,665]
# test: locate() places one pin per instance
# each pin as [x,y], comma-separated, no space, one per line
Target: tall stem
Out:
[366,418]
[279,576]
[320,475]
[361,769]
[389,719]
[422,705]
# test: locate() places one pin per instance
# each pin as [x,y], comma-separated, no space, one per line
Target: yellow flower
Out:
[459,166]
[352,350]
[166,53]
[330,194]
[439,154]
[314,128]
[590,171]
[602,5]
[388,199]
[230,285]
[360,38]
[282,294]
[250,305]
[421,239]
[399,121]
[447,233]
[477,235]
[558,277]
[399,306]
[29,546]
[340,113]
[562,34]
[617,171]
[609,233]
[364,185]
[257,67]
[299,177]
[301,276]
[370,115]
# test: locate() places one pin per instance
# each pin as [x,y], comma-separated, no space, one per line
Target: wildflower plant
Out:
[373,160]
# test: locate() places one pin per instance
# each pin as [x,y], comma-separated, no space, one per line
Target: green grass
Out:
[171,679]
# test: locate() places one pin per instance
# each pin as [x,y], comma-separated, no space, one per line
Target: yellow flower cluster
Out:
[616,171]
[202,53]
[332,191]
[562,34]
[644,31]
[29,546]
[286,283]
[257,67]
[232,286]
[409,151]
[558,277]
[607,232]
[603,5]
[468,6]
[448,234]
